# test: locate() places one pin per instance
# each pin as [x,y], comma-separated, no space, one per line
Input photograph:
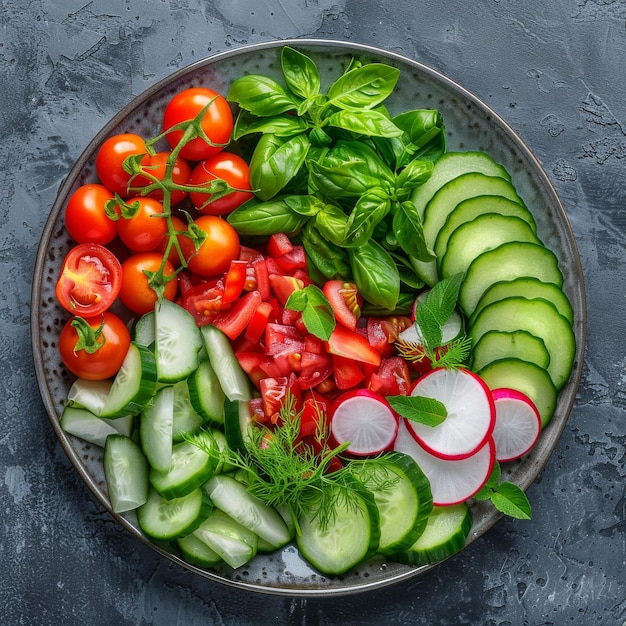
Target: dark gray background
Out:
[554,70]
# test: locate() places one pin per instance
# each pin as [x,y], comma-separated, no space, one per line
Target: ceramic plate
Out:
[470,125]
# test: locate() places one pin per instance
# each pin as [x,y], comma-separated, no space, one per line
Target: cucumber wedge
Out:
[445,534]
[506,262]
[471,208]
[133,385]
[185,419]
[520,344]
[197,552]
[155,429]
[85,425]
[526,377]
[89,394]
[526,287]
[483,233]
[206,395]
[538,317]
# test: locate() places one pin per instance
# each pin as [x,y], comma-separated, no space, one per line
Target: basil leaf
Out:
[409,233]
[332,224]
[260,95]
[370,209]
[427,411]
[404,306]
[275,161]
[369,123]
[308,206]
[330,260]
[317,313]
[300,72]
[416,173]
[280,125]
[375,274]
[512,501]
[424,133]
[363,87]
[265,218]
[407,273]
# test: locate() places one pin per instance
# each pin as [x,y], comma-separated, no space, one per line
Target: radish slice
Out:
[471,413]
[364,419]
[451,482]
[518,424]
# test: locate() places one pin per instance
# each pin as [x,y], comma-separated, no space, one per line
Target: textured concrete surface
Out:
[554,71]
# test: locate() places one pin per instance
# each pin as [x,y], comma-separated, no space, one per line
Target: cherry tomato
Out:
[89,281]
[136,293]
[217,122]
[219,248]
[186,245]
[85,218]
[155,166]
[110,158]
[108,332]
[145,230]
[225,166]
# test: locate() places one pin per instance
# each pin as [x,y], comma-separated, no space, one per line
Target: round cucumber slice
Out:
[495,345]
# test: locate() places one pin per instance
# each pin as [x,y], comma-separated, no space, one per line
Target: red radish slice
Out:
[471,413]
[364,419]
[518,424]
[451,482]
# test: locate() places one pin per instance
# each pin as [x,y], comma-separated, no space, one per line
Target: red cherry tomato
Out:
[219,248]
[155,166]
[145,230]
[225,166]
[135,293]
[110,158]
[106,330]
[85,217]
[89,281]
[217,122]
[186,245]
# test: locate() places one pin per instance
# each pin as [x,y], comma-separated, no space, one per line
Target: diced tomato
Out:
[314,369]
[274,392]
[347,372]
[345,301]
[290,317]
[279,244]
[350,344]
[392,377]
[334,464]
[313,344]
[257,277]
[382,332]
[311,417]
[204,301]
[185,282]
[283,286]
[279,366]
[233,321]
[234,280]
[282,339]
[258,322]
[256,410]
[293,260]
[302,275]
[272,266]
[252,363]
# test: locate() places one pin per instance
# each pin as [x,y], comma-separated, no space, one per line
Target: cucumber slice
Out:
[232,378]
[445,534]
[483,233]
[403,497]
[185,419]
[177,342]
[197,552]
[232,497]
[525,377]
[520,344]
[89,394]
[538,317]
[506,262]
[206,395]
[351,534]
[164,519]
[155,429]
[143,331]
[125,472]
[237,421]
[234,543]
[133,385]
[85,425]
[526,287]
[191,466]
[469,209]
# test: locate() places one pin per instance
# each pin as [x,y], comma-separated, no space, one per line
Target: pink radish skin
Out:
[365,419]
[451,482]
[518,424]
[471,413]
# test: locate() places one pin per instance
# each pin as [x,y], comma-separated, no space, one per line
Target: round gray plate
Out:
[470,125]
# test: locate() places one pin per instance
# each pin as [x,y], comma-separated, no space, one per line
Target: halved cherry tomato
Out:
[110,159]
[154,167]
[350,344]
[146,230]
[90,280]
[136,293]
[347,372]
[204,300]
[224,166]
[220,247]
[85,217]
[105,341]
[217,121]
[345,301]
[392,377]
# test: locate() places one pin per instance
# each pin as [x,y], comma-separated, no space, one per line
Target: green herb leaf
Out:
[300,72]
[368,123]
[330,260]
[407,228]
[260,95]
[512,501]
[284,125]
[317,314]
[363,87]
[427,411]
[370,209]
[265,218]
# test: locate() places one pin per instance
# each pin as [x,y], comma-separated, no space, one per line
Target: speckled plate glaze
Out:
[470,125]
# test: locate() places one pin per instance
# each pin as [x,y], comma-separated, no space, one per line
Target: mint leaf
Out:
[427,411]
[512,501]
[491,485]
[317,313]
[442,298]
